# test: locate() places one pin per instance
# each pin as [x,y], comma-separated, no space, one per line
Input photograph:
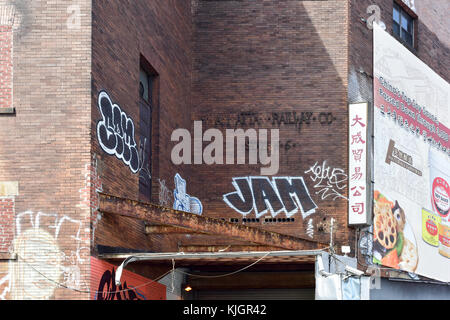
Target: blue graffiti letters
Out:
[183,201]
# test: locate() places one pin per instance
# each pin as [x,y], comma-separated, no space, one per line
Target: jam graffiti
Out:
[260,194]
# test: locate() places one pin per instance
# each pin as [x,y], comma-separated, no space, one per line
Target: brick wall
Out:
[133,286]
[45,147]
[160,31]
[278,63]
[6,224]
[264,58]
[6,36]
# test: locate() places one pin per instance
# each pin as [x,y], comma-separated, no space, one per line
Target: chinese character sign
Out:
[357,210]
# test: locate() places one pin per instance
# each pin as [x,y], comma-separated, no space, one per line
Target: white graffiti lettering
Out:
[42,265]
[164,194]
[115,133]
[310,229]
[328,181]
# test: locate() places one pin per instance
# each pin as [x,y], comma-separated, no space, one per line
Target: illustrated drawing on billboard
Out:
[411,226]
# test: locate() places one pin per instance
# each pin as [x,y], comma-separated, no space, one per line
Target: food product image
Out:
[408,259]
[440,199]
[444,239]
[385,226]
[399,215]
[394,242]
[430,225]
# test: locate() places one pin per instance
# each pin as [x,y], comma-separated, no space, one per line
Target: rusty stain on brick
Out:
[154,213]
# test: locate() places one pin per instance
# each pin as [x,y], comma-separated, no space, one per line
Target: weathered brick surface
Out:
[6,37]
[45,147]
[6,223]
[223,62]
[273,59]
[161,32]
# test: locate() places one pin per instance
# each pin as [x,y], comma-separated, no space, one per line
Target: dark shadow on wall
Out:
[268,61]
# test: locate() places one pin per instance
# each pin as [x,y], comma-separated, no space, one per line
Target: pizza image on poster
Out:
[394,242]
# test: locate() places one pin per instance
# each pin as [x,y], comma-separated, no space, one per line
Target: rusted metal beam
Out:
[160,215]
[222,248]
[162,229]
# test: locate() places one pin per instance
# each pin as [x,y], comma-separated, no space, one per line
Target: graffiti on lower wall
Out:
[262,195]
[42,265]
[132,287]
[108,290]
[329,182]
[182,200]
[89,193]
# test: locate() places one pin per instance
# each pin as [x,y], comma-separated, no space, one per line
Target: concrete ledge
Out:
[8,256]
[7,111]
[9,188]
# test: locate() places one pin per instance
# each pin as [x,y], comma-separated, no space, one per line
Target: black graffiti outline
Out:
[121,293]
[116,136]
[287,201]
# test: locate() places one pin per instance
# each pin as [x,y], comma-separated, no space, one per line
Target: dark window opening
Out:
[403,25]
[148,99]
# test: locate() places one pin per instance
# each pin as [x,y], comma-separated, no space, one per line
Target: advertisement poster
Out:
[411,227]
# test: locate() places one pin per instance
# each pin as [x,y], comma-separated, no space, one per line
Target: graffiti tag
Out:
[115,132]
[183,201]
[259,194]
[108,290]
[328,182]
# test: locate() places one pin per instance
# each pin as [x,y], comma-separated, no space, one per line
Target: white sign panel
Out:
[358,213]
[411,226]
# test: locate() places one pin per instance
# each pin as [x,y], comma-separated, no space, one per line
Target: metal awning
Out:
[274,256]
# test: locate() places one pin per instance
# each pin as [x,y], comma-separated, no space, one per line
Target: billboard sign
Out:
[411,227]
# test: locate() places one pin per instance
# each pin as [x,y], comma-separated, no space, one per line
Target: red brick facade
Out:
[6,38]
[45,147]
[6,224]
[132,287]
[275,65]
[287,65]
